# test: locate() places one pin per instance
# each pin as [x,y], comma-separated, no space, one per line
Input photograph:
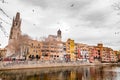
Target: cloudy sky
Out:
[85,21]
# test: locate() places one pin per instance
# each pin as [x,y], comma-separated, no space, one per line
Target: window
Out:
[33,50]
[32,44]
[44,54]
[51,55]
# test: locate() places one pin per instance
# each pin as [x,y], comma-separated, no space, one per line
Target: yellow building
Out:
[70,49]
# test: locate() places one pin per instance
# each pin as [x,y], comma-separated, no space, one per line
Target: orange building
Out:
[34,49]
[49,49]
[104,54]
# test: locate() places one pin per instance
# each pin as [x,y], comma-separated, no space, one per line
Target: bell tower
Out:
[59,35]
[16,28]
[15,33]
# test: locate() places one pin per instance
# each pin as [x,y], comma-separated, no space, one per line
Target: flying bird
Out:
[72,5]
[3,1]
[117,33]
[34,24]
[33,10]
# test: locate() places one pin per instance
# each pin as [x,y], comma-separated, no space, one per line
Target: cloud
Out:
[87,21]
[60,7]
[57,3]
[96,17]
[83,12]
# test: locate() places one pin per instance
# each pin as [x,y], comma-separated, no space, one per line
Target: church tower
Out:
[14,36]
[59,35]
[16,28]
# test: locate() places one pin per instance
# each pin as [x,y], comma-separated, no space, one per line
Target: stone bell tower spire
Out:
[16,28]
[59,35]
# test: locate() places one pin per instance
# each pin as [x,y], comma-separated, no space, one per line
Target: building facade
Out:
[70,49]
[49,49]
[53,48]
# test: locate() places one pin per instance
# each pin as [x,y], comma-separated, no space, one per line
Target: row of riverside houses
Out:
[53,48]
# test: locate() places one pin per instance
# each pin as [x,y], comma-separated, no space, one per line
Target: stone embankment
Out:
[38,64]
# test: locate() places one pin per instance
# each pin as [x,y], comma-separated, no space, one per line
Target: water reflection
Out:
[66,73]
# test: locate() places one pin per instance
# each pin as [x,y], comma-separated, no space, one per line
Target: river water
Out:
[64,73]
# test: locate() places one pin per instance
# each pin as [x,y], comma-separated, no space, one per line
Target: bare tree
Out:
[19,46]
[13,46]
[116,6]
[23,45]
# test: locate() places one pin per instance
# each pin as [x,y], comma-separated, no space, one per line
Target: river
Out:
[64,73]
